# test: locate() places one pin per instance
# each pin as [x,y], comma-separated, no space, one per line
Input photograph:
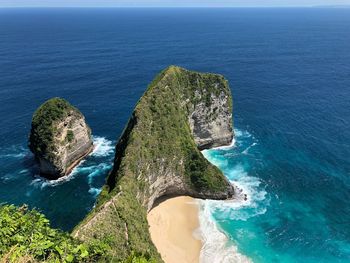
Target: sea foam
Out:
[103,148]
[250,200]
[14,151]
[226,147]
[216,246]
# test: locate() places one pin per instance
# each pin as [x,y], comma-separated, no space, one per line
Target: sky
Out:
[170,3]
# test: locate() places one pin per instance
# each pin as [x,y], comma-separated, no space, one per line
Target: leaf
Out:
[59,250]
[69,258]
[84,254]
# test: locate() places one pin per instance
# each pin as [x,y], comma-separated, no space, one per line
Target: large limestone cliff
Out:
[159,155]
[211,118]
[59,137]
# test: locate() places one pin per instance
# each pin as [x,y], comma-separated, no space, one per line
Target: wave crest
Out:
[216,246]
[103,147]
[87,167]
[251,199]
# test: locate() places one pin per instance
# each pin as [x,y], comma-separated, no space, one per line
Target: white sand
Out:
[172,225]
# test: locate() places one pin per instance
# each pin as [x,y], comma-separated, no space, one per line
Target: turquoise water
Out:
[275,224]
[289,70]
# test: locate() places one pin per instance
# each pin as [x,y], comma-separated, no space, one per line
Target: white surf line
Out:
[102,147]
[225,147]
[216,246]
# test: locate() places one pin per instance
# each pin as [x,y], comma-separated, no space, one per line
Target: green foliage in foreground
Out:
[26,236]
[27,233]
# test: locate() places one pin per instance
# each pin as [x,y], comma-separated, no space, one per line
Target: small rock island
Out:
[59,138]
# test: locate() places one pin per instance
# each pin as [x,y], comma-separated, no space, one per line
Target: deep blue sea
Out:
[289,71]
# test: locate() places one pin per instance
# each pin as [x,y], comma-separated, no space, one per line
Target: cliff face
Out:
[211,120]
[158,155]
[59,137]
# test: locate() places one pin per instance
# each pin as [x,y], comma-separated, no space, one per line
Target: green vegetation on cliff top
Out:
[156,140]
[43,128]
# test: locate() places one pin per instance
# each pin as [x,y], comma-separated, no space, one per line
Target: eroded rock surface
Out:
[211,121]
[59,137]
[159,155]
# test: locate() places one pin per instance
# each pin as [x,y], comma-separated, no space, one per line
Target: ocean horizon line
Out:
[179,7]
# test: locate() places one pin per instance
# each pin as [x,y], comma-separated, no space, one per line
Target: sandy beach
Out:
[172,225]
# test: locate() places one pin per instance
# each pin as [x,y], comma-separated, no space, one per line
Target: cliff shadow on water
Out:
[120,152]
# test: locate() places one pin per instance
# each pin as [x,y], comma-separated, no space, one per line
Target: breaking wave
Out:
[216,246]
[89,167]
[103,147]
[251,200]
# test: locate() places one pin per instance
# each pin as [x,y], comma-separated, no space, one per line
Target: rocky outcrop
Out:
[159,155]
[59,138]
[211,120]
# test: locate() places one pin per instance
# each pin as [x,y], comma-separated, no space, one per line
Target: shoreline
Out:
[71,167]
[183,230]
[173,224]
[76,163]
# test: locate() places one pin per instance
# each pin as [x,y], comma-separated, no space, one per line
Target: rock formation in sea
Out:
[158,154]
[59,137]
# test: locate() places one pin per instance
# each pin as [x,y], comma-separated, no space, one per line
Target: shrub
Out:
[26,234]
